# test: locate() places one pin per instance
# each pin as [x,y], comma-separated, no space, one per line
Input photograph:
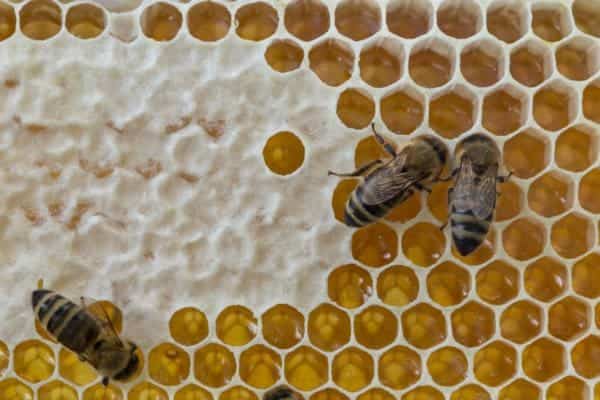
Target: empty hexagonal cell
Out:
[568,388]
[161,21]
[349,286]
[584,273]
[521,321]
[332,61]
[543,359]
[256,21]
[584,357]
[40,19]
[375,327]
[110,392]
[554,106]
[146,390]
[57,390]
[328,327]
[507,20]
[551,194]
[520,389]
[380,63]
[423,392]
[168,364]
[284,55]
[306,19]
[352,369]
[510,202]
[572,235]
[452,113]
[448,284]
[402,111]
[214,365]
[86,21]
[282,326]
[459,18]
[504,111]
[589,189]
[236,325]
[409,18]
[397,286]
[74,370]
[208,21]
[447,366]
[550,21]
[283,153]
[423,244]
[355,108]
[399,368]
[481,254]
[473,324]
[188,326]
[260,366]
[306,369]
[568,318]
[375,245]
[357,19]
[531,63]
[497,283]
[423,326]
[12,388]
[191,391]
[524,238]
[545,279]
[328,394]
[470,392]
[8,21]
[481,62]
[431,63]
[375,394]
[576,148]
[238,393]
[578,59]
[495,363]
[586,14]
[33,361]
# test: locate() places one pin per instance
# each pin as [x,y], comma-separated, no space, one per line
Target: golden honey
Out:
[495,363]
[282,326]
[521,321]
[401,112]
[586,15]
[524,239]
[448,284]
[74,370]
[284,55]
[502,112]
[397,285]
[529,65]
[13,389]
[568,318]
[408,19]
[574,59]
[526,154]
[40,19]
[423,393]
[545,279]
[4,357]
[8,21]
[429,68]
[519,389]
[509,202]
[332,61]
[161,21]
[147,390]
[575,149]
[328,327]
[399,367]
[208,21]
[497,282]
[568,388]
[583,273]
[447,366]
[352,369]
[375,245]
[188,326]
[168,364]
[238,393]
[56,390]
[357,19]
[101,392]
[256,21]
[589,188]
[260,366]
[451,114]
[375,327]
[192,392]
[552,108]
[591,101]
[548,22]
[470,392]
[472,324]
[572,235]
[423,326]
[306,19]
[34,361]
[381,64]
[328,394]
[585,357]
[306,368]
[505,21]
[543,359]
[479,66]
[214,365]
[349,286]
[423,244]
[551,194]
[355,108]
[375,394]
[459,19]
[283,153]
[85,21]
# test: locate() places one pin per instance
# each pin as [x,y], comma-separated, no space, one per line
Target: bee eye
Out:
[98,344]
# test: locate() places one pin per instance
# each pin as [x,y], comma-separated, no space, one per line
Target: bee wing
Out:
[390,182]
[101,314]
[475,193]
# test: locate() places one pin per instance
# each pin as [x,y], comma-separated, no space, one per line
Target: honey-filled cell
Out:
[14,389]
[161,21]
[521,321]
[284,153]
[495,363]
[459,19]
[168,364]
[328,327]
[452,113]
[188,326]
[368,150]
[554,106]
[448,284]
[583,276]
[543,360]
[40,19]
[397,286]
[406,210]
[506,21]
[208,21]
[437,200]
[306,19]
[74,370]
[238,393]
[332,61]
[568,318]
[409,18]
[57,390]
[260,366]
[236,325]
[4,357]
[306,369]
[399,368]
[328,394]
[447,366]
[192,392]
[375,327]
[526,154]
[503,111]
[423,326]
[481,63]
[33,361]
[551,194]
[8,21]
[572,235]
[423,244]
[509,202]
[520,389]
[545,279]
[584,357]
[524,239]
[589,190]
[578,59]
[472,391]
[214,365]
[352,369]
[375,245]
[375,394]
[531,63]
[473,324]
[341,194]
[282,326]
[591,102]
[431,62]
[358,19]
[402,111]
[284,55]
[497,283]
[146,390]
[576,148]
[256,21]
[423,393]
[568,388]
[550,21]
[349,286]
[355,108]
[586,14]
[110,392]
[380,63]
[85,21]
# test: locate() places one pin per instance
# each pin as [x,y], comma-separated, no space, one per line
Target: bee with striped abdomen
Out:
[88,332]
[387,184]
[472,200]
[281,393]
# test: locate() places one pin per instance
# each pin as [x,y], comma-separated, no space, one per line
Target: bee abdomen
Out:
[468,231]
[358,214]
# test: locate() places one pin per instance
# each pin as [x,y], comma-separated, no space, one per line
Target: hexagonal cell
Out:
[168,364]
[431,63]
[473,324]
[531,63]
[4,357]
[568,318]
[578,58]
[545,279]
[74,370]
[58,390]
[161,21]
[375,327]
[550,21]
[375,245]
[572,235]
[282,326]
[188,326]
[328,327]
[520,389]
[208,21]
[568,388]
[40,19]
[504,111]
[586,14]
[355,108]
[521,321]
[191,392]
[352,369]
[306,19]
[357,19]
[146,390]
[507,20]
[284,153]
[551,194]
[85,21]
[110,392]
[399,368]
[214,365]
[589,188]
[260,366]
[236,325]
[340,197]
[375,394]
[447,366]
[402,111]
[368,150]
[284,55]
[554,106]
[423,244]
[497,283]
[591,102]
[481,254]
[423,326]
[349,286]
[524,239]
[8,21]
[409,18]
[33,361]
[437,200]
[481,62]
[470,392]
[584,357]
[584,273]
[328,394]
[448,284]
[423,392]
[306,369]
[332,61]
[495,363]
[12,388]
[543,359]
[397,286]
[576,148]
[510,202]
[452,113]
[256,21]
[380,63]
[238,393]
[459,19]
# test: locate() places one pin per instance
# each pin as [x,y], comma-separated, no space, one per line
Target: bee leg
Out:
[387,146]
[444,225]
[449,177]
[505,178]
[105,381]
[421,187]
[359,172]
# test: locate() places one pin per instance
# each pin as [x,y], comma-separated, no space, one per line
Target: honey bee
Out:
[88,332]
[472,200]
[281,392]
[387,184]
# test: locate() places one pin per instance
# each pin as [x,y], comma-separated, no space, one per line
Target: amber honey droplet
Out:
[283,153]
[550,22]
[399,367]
[284,55]
[423,244]
[568,318]
[208,21]
[448,284]
[545,279]
[481,63]
[328,327]
[526,154]
[355,108]
[358,19]
[576,148]
[423,326]
[306,369]
[568,388]
[503,111]
[543,359]
[375,327]
[520,389]
[74,370]
[472,324]
[375,245]
[14,389]
[401,111]
[447,366]
[146,390]
[521,321]
[260,366]
[40,19]
[352,369]
[283,326]
[332,61]
[236,325]
[397,286]
[192,392]
[86,21]
[161,21]
[256,21]
[214,365]
[101,392]
[349,286]
[451,114]
[8,21]
[459,19]
[551,194]
[306,19]
[381,63]
[584,272]
[188,326]
[33,361]
[505,20]
[430,64]
[530,64]
[589,190]
[57,390]
[168,364]
[587,16]
[409,19]
[572,235]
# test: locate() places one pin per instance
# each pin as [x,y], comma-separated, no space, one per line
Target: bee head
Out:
[132,367]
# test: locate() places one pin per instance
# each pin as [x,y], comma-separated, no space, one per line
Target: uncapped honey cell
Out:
[531,63]
[430,63]
[437,200]
[585,357]
[283,153]
[8,21]
[214,365]
[306,369]
[73,369]
[14,389]
[328,327]
[584,272]
[423,244]
[576,148]
[192,392]
[340,197]
[161,21]
[381,63]
[358,19]
[208,21]
[551,194]
[459,19]
[550,21]
[188,326]
[33,361]
[578,59]
[40,19]
[495,363]
[355,108]
[524,239]
[352,369]
[423,326]
[375,245]
[328,394]
[256,21]
[568,388]
[448,284]
[349,286]
[470,392]
[509,202]
[332,61]
[4,357]
[589,190]
[56,390]
[497,282]
[545,279]
[238,393]
[526,154]
[586,14]
[397,286]
[543,359]
[101,392]
[521,321]
[481,63]
[572,235]
[168,364]
[506,20]
[553,106]
[520,389]
[473,324]
[447,366]
[86,21]
[147,390]
[282,326]
[568,318]
[409,19]
[260,366]
[451,114]
[402,111]
[375,394]
[306,19]
[236,325]
[399,367]
[368,150]
[591,102]
[375,327]
[284,55]
[503,111]
[423,393]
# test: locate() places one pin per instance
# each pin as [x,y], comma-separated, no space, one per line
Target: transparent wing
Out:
[389,181]
[475,193]
[103,312]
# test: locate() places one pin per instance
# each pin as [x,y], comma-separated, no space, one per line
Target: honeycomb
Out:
[172,156]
